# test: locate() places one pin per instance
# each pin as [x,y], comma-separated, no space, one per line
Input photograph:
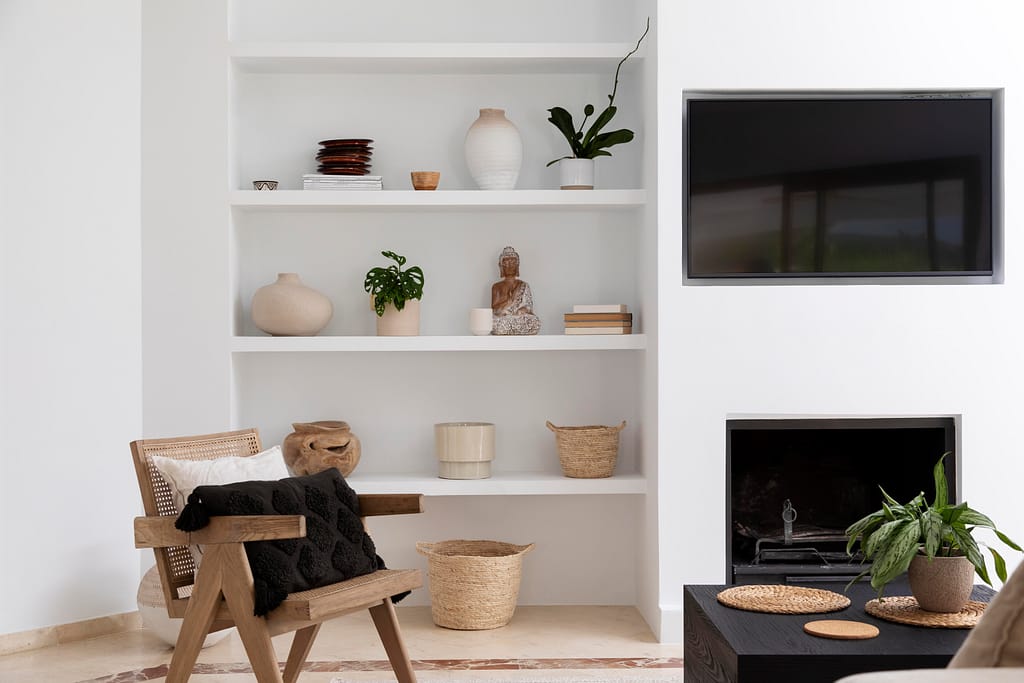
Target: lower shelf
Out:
[506,484]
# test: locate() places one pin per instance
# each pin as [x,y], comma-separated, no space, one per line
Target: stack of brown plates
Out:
[345,156]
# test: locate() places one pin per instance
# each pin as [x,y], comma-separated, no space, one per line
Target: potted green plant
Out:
[577,169]
[395,295]
[933,543]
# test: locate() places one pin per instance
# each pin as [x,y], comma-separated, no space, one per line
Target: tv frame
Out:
[917,278]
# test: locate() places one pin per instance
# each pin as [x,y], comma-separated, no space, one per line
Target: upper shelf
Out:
[425,58]
[317,200]
[541,342]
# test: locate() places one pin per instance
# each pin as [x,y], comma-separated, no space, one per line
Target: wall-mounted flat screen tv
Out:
[868,185]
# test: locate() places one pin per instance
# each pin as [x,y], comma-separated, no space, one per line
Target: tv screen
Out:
[795,187]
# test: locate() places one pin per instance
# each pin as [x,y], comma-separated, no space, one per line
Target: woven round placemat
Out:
[903,609]
[779,599]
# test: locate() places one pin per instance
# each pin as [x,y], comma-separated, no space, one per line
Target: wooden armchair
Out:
[221,594]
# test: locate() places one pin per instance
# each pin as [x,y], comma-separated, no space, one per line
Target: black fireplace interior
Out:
[829,471]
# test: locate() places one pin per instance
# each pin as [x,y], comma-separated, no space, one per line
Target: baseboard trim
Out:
[671,624]
[68,633]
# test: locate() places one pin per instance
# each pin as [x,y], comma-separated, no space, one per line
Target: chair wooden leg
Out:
[237,587]
[387,627]
[202,606]
[301,645]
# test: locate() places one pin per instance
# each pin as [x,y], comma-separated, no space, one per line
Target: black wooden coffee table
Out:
[726,645]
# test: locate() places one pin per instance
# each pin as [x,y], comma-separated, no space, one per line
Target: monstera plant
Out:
[392,285]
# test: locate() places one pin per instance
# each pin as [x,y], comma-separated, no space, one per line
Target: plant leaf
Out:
[888,499]
[1000,564]
[599,123]
[941,485]
[563,122]
[950,515]
[615,137]
[863,526]
[931,531]
[969,546]
[878,541]
[1005,539]
[895,557]
[975,518]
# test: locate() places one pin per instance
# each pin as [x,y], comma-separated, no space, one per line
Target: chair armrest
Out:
[373,504]
[159,532]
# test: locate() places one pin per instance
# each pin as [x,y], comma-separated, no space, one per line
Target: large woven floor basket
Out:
[587,452]
[474,585]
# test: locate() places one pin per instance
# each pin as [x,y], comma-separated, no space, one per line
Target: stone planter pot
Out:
[464,449]
[576,174]
[943,584]
[399,323]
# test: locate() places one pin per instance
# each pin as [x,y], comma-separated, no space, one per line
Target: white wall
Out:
[70,346]
[811,350]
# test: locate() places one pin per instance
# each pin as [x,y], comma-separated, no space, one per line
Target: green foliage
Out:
[594,143]
[892,536]
[392,284]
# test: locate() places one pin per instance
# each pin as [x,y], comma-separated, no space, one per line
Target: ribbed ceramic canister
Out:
[494,151]
[464,449]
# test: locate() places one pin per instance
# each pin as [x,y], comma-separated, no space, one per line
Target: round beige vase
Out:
[399,323]
[464,449]
[288,308]
[943,584]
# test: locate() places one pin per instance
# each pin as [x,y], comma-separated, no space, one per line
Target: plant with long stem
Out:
[892,536]
[593,143]
[392,284]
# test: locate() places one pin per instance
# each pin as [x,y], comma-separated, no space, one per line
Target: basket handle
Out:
[555,429]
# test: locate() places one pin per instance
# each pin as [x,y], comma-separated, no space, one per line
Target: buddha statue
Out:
[512,300]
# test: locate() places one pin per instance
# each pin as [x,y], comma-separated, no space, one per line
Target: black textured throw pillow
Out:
[335,548]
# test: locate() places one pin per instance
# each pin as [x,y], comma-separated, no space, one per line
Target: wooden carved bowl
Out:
[425,180]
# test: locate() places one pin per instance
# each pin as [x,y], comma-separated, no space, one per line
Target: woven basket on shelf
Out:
[473,584]
[587,452]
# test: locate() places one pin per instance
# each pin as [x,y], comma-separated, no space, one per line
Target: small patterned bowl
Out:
[264,185]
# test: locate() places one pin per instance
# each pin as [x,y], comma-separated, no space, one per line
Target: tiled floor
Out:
[541,644]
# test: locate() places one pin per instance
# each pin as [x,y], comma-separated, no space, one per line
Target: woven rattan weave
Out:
[903,609]
[474,585]
[587,452]
[781,599]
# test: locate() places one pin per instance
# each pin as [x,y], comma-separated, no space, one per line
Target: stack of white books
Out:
[317,181]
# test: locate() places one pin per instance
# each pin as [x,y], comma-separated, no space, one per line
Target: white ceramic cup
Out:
[481,321]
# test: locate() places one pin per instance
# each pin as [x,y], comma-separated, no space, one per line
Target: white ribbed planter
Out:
[399,323]
[494,151]
[576,174]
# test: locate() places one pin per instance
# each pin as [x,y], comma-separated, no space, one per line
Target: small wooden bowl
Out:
[425,180]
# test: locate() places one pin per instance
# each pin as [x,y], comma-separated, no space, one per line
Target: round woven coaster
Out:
[903,609]
[841,629]
[779,599]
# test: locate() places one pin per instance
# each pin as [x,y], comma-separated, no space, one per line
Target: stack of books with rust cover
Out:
[599,319]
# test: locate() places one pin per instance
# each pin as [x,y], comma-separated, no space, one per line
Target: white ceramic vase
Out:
[494,151]
[288,308]
[399,323]
[576,174]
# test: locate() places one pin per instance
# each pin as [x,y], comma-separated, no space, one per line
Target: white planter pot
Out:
[399,323]
[494,151]
[576,174]
[464,449]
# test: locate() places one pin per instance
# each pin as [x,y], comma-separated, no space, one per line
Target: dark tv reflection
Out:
[916,224]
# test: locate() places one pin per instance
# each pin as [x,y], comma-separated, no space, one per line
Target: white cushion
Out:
[183,476]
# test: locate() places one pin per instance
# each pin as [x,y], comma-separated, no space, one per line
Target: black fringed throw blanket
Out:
[336,546]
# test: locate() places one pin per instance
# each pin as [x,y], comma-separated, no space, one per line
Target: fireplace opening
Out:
[795,485]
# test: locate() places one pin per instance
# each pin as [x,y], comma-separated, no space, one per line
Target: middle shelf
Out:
[540,342]
[507,484]
[310,200]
